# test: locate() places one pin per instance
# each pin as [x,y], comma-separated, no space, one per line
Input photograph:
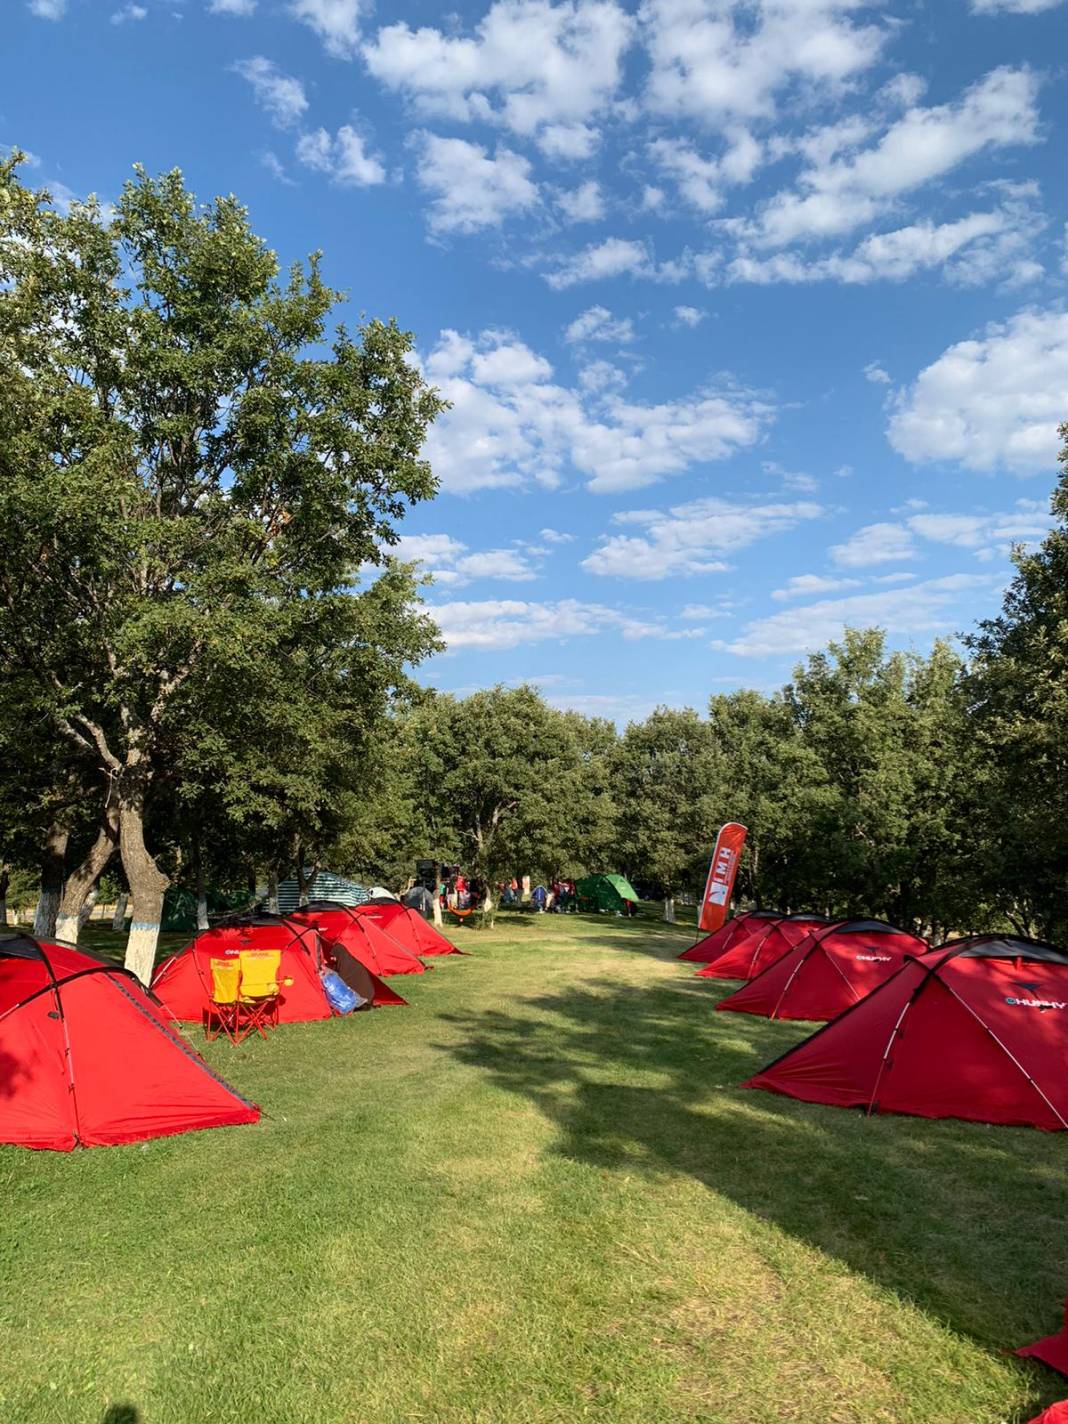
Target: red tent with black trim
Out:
[89,1059]
[407,927]
[825,973]
[183,982]
[750,957]
[736,932]
[1052,1350]
[341,925]
[977,1029]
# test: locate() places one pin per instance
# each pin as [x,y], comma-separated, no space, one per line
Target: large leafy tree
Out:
[1018,693]
[665,783]
[496,777]
[193,467]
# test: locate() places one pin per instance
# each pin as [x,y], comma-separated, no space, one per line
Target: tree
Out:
[667,804]
[1018,701]
[192,470]
[495,777]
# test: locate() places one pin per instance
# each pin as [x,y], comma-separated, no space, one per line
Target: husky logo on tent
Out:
[1031,1002]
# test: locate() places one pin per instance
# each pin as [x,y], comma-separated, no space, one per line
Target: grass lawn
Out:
[535,1195]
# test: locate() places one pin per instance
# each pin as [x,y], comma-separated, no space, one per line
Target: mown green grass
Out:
[536,1195]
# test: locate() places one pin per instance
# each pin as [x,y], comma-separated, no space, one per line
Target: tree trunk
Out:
[5,881]
[52,865]
[272,892]
[669,909]
[87,908]
[202,899]
[489,907]
[147,882]
[81,883]
[437,895]
[118,923]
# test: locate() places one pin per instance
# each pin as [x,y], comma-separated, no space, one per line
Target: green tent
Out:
[180,907]
[605,892]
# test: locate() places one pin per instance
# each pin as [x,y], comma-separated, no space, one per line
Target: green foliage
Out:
[194,468]
[664,775]
[1018,703]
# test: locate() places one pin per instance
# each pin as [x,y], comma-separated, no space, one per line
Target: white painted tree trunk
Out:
[44,919]
[82,887]
[87,908]
[272,892]
[202,902]
[669,909]
[118,922]
[147,887]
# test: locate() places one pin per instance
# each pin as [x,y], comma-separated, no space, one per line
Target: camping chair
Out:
[260,990]
[224,1007]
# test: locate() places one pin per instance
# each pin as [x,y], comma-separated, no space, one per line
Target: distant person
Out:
[538,897]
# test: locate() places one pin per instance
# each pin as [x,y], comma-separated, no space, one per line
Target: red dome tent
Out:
[88,1059]
[734,933]
[341,925]
[750,957]
[407,927]
[1052,1350]
[977,1029]
[183,982]
[827,971]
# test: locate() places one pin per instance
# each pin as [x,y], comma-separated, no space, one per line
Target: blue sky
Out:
[752,315]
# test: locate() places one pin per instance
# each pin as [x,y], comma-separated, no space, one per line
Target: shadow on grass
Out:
[121,1414]
[963,1220]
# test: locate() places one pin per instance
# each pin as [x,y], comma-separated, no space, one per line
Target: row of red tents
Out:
[89,1057]
[976,1028]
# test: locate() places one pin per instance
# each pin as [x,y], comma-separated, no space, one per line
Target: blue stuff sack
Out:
[341,998]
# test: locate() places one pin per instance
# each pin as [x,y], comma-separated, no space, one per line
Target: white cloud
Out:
[582,204]
[493,624]
[48,9]
[127,13]
[470,189]
[690,316]
[556,536]
[848,190]
[874,372]
[280,94]
[615,257]
[808,585]
[275,167]
[541,70]
[931,607]
[238,8]
[987,535]
[992,402]
[993,246]
[1013,7]
[720,60]
[449,562]
[874,544]
[344,158]
[598,324]
[336,22]
[569,142]
[602,376]
[511,424]
[691,538]
[701,181]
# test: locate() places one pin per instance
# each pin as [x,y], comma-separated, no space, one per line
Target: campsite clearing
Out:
[538,1195]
